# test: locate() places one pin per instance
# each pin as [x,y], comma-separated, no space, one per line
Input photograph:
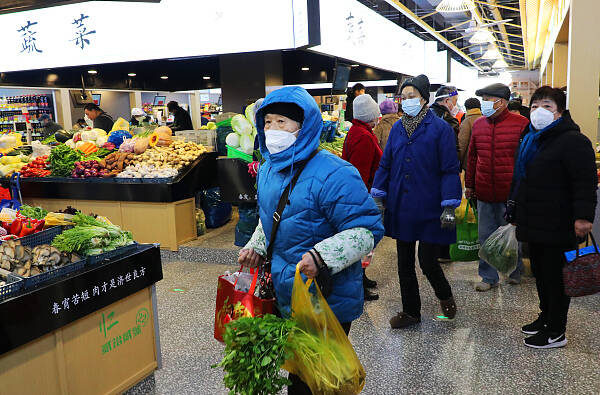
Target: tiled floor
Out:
[480,352]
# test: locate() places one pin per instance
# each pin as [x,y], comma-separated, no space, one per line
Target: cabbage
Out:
[240,124]
[250,113]
[247,144]
[233,140]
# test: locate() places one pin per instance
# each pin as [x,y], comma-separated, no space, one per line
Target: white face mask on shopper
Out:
[279,140]
[454,110]
[411,106]
[487,108]
[541,118]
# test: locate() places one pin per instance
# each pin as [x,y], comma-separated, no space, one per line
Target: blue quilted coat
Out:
[328,198]
[419,174]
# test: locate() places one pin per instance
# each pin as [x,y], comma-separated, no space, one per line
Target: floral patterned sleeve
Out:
[345,248]
[258,241]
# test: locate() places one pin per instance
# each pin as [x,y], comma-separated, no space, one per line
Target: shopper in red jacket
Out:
[361,149]
[494,141]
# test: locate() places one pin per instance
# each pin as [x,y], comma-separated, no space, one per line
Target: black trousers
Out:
[547,263]
[298,387]
[409,285]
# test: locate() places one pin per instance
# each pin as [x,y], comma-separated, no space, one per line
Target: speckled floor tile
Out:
[480,352]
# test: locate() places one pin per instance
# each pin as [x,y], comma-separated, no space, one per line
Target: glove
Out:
[509,214]
[448,219]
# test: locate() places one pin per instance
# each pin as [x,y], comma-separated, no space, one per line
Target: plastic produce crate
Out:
[12,287]
[97,259]
[43,237]
[235,153]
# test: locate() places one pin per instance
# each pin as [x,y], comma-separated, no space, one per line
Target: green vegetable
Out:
[62,160]
[33,212]
[255,350]
[91,237]
[49,139]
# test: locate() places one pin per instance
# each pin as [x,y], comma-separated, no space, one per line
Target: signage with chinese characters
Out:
[107,32]
[115,336]
[352,31]
[66,300]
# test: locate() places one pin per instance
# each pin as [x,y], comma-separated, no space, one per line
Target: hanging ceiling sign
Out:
[352,31]
[109,32]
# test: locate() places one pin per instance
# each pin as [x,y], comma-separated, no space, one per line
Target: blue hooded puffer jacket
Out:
[328,198]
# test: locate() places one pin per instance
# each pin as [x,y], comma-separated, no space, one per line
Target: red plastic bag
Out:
[233,304]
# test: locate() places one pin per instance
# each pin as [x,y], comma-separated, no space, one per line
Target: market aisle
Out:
[480,352]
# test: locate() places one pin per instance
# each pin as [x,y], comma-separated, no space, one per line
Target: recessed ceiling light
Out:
[354,65]
[132,74]
[305,69]
[206,77]
[164,77]
[92,72]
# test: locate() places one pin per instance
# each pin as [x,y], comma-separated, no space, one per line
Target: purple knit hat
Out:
[388,107]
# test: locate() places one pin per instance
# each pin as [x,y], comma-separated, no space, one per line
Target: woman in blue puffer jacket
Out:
[330,220]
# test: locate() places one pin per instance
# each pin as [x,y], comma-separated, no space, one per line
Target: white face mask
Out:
[279,140]
[454,110]
[487,108]
[541,118]
[411,106]
[89,122]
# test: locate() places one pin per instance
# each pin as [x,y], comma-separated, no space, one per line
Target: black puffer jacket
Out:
[559,187]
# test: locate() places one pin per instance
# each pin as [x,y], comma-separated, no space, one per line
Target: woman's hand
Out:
[250,258]
[307,266]
[582,227]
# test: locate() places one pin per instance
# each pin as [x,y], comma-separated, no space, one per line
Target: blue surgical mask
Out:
[411,106]
[487,108]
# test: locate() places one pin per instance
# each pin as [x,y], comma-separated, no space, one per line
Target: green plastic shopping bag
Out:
[467,246]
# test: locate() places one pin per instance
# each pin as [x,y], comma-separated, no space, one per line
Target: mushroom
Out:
[54,259]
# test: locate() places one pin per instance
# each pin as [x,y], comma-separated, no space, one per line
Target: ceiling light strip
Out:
[408,13]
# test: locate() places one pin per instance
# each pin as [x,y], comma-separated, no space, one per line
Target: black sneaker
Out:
[545,340]
[370,295]
[535,327]
[368,283]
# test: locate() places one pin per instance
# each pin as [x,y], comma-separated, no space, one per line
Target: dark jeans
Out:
[409,286]
[298,387]
[547,263]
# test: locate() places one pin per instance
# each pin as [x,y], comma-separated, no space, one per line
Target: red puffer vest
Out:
[492,155]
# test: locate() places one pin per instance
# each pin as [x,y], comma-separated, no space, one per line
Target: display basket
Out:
[12,287]
[92,260]
[46,237]
[59,272]
[235,153]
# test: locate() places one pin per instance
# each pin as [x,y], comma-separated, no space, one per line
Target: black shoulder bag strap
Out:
[283,200]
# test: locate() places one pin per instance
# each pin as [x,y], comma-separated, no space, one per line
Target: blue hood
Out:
[309,135]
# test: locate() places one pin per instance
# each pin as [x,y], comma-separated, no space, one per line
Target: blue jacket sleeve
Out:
[382,176]
[449,165]
[346,203]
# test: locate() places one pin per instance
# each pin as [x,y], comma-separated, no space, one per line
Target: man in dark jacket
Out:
[50,127]
[494,141]
[182,120]
[473,106]
[446,106]
[357,90]
[100,118]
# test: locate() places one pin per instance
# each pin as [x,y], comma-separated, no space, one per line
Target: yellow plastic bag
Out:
[324,358]
[460,214]
[120,124]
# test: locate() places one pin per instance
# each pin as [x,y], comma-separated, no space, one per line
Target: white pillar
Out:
[63,108]
[195,110]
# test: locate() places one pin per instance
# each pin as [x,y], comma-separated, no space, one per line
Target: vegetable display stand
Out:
[154,212]
[101,340]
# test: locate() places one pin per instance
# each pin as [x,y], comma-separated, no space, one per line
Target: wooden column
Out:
[583,72]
